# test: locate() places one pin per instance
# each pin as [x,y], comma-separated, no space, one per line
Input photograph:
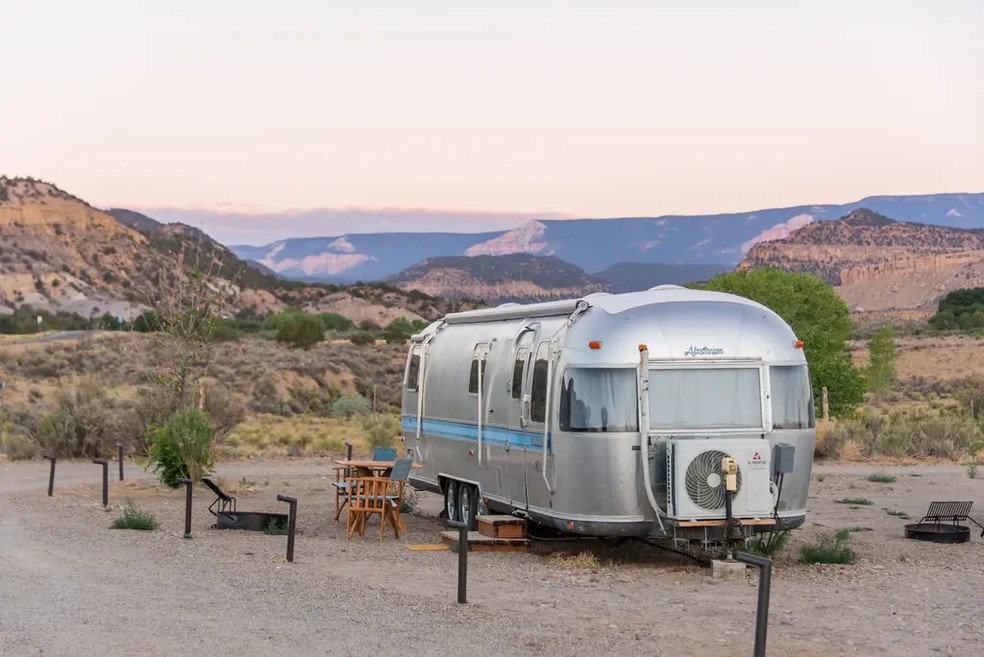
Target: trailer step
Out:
[501,526]
[478,542]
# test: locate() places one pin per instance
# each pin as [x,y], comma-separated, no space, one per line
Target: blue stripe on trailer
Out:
[467,431]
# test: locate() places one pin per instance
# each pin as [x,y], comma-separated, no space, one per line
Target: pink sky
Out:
[567,108]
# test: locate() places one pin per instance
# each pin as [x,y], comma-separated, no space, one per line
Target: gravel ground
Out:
[71,586]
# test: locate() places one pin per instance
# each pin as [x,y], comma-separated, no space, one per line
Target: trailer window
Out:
[711,398]
[473,375]
[538,389]
[792,397]
[413,370]
[517,377]
[599,400]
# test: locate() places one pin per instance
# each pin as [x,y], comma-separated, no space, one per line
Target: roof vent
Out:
[660,288]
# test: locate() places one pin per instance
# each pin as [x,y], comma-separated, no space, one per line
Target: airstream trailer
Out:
[615,415]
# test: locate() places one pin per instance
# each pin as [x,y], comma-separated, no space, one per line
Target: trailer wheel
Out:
[451,500]
[467,504]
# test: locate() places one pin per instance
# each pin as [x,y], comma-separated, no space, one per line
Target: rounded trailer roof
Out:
[677,324]
[674,322]
[614,304]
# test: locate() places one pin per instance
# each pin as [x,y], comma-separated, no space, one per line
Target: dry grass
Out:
[933,358]
[580,561]
[297,435]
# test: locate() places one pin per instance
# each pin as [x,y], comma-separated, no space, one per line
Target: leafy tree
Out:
[818,317]
[336,322]
[961,309]
[301,330]
[400,329]
[880,374]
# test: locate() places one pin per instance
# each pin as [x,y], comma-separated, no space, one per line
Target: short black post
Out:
[463,565]
[291,524]
[348,451]
[765,583]
[105,464]
[188,484]
[119,456]
[51,475]
[462,560]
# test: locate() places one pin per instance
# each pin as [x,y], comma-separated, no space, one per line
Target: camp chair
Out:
[953,512]
[366,496]
[384,454]
[341,483]
[399,475]
[370,495]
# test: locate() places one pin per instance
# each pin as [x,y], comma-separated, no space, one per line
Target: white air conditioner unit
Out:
[695,485]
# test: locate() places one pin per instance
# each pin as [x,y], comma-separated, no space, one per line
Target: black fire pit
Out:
[936,532]
[254,521]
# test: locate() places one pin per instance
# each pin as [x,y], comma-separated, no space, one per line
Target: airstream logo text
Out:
[703,351]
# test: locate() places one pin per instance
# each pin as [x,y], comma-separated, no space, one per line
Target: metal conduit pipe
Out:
[644,433]
[481,360]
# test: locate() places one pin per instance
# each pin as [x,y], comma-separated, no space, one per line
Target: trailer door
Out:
[512,469]
[535,393]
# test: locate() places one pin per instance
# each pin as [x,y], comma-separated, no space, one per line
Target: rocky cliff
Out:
[499,279]
[876,263]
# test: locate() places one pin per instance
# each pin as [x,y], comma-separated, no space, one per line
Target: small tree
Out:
[880,373]
[182,448]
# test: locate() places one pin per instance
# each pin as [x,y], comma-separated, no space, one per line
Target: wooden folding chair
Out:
[341,484]
[398,477]
[368,495]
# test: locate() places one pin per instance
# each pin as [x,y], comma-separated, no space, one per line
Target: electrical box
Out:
[783,458]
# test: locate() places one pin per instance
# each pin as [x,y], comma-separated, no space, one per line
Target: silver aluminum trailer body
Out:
[539,409]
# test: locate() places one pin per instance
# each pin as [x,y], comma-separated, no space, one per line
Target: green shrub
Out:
[409,503]
[19,448]
[382,430]
[881,478]
[134,518]
[82,424]
[831,446]
[349,405]
[362,338]
[829,549]
[275,528]
[856,501]
[768,544]
[182,447]
[335,322]
[301,330]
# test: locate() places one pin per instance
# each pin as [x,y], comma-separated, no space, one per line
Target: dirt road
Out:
[71,586]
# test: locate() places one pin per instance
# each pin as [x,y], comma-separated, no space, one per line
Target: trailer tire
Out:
[451,500]
[467,504]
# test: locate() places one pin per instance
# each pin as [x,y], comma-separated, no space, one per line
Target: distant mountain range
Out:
[60,254]
[596,245]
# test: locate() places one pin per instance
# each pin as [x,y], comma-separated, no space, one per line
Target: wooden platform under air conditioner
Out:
[721,523]
[495,534]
